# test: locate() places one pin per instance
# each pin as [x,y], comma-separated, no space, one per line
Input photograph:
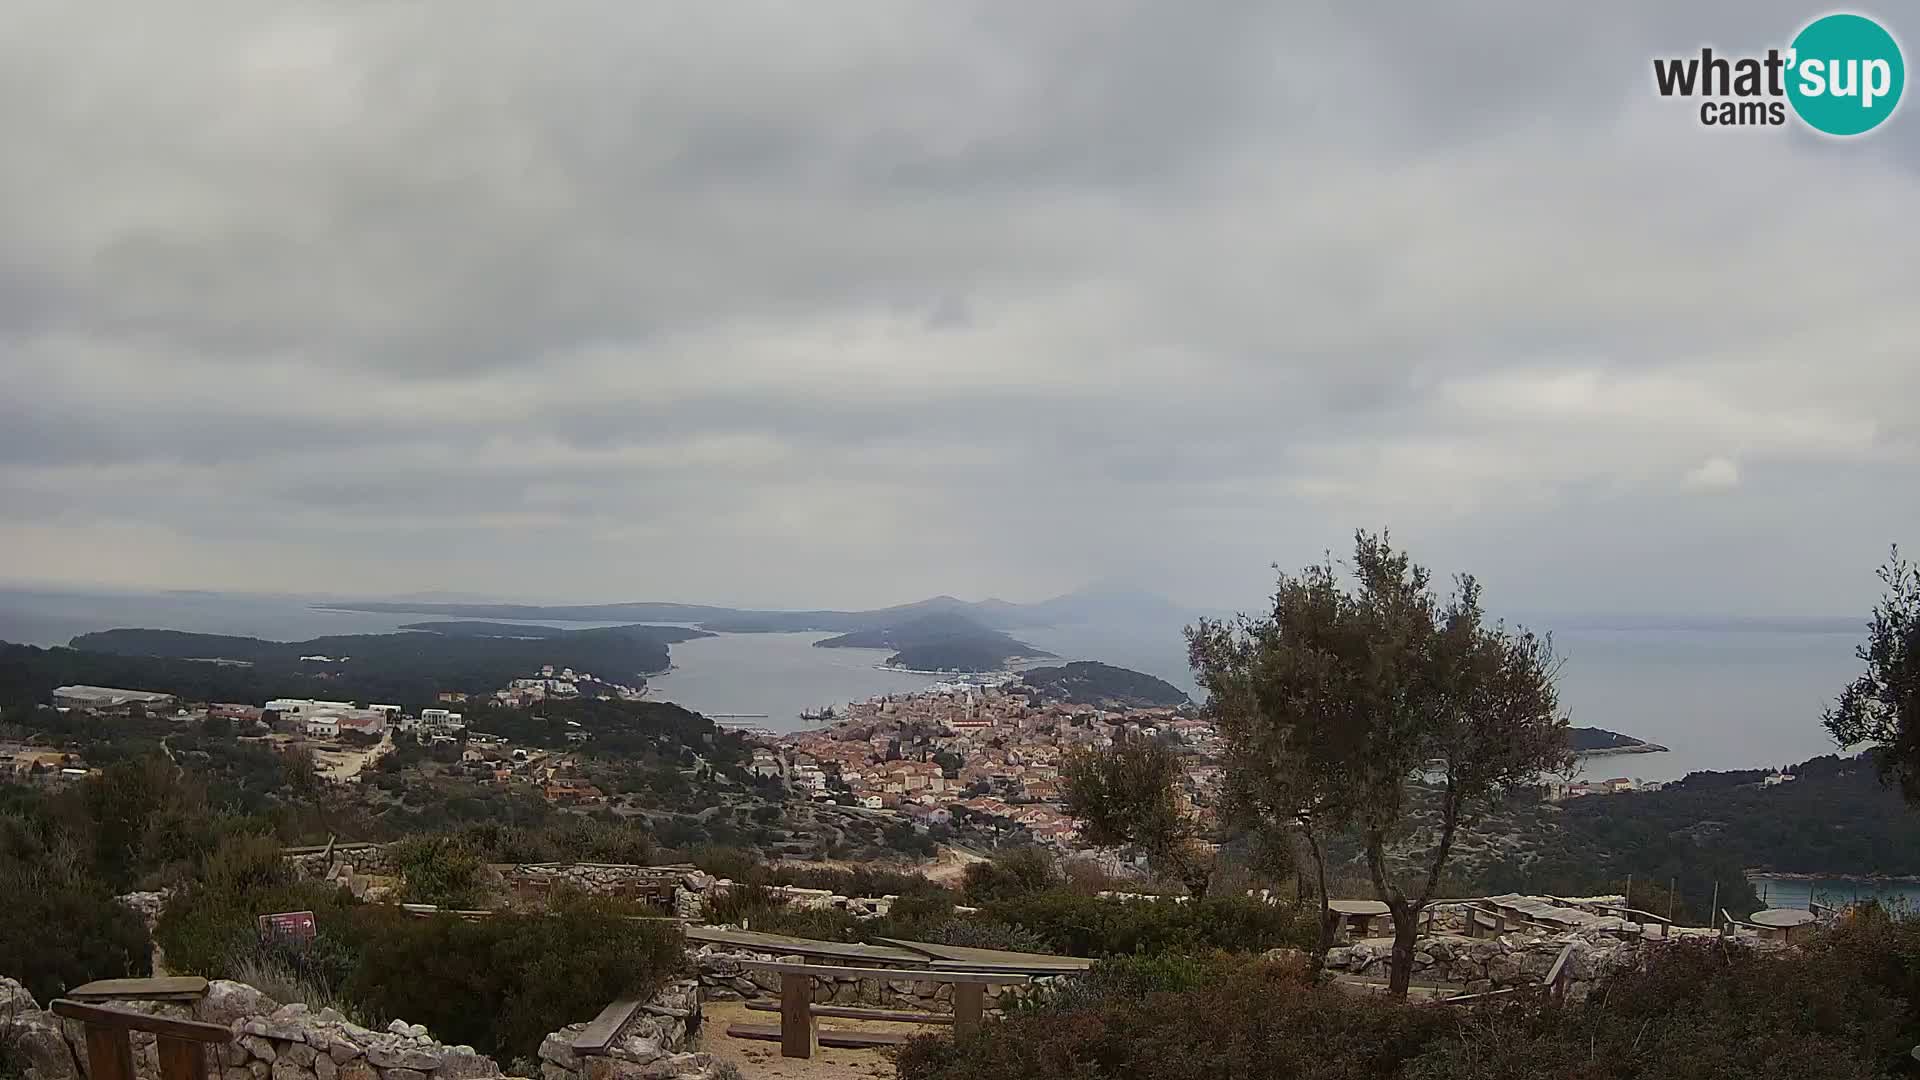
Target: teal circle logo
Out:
[1845,74]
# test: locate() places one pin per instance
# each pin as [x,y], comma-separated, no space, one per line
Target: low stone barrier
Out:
[653,1044]
[724,976]
[1496,963]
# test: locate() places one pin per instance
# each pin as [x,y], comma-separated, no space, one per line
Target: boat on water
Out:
[821,715]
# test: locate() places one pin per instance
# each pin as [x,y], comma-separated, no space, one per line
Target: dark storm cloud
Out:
[982,298]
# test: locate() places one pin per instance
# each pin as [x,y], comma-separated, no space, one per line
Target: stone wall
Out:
[724,976]
[653,1043]
[292,1042]
[1495,963]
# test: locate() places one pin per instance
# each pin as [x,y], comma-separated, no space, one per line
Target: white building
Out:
[105,697]
[323,727]
[302,708]
[440,721]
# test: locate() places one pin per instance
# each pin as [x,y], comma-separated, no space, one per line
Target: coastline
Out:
[1781,875]
[1610,751]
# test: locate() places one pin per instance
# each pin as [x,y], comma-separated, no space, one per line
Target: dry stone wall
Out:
[653,1044]
[725,976]
[292,1042]
[1496,963]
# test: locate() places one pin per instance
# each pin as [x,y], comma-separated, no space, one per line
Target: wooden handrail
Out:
[128,1020]
[181,1045]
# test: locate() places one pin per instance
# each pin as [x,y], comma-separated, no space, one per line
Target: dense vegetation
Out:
[469,662]
[1086,682]
[1842,1008]
[498,984]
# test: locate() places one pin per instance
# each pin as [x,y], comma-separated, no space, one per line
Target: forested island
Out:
[407,668]
[946,642]
[1593,740]
[1088,682]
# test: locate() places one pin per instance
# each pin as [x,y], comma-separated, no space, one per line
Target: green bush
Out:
[211,927]
[1078,925]
[1834,1009]
[501,984]
[1010,875]
[438,870]
[56,935]
[1262,1020]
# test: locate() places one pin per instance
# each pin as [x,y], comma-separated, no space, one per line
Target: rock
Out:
[1480,986]
[400,1027]
[342,1051]
[461,1063]
[404,1057]
[231,1054]
[270,1027]
[39,1044]
[15,999]
[236,1073]
[299,1053]
[550,1071]
[402,1074]
[285,1069]
[1422,959]
[558,1047]
[418,1031]
[324,1067]
[257,1046]
[358,1069]
[746,986]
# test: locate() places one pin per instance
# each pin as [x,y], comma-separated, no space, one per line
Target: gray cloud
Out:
[850,305]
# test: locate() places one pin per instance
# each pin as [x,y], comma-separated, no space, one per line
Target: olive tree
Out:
[1362,701]
[1129,795]
[1881,708]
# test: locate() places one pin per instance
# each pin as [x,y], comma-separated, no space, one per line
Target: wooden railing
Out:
[182,1044]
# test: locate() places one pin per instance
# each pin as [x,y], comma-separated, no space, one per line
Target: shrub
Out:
[501,984]
[1260,1020]
[212,926]
[56,935]
[1010,875]
[438,870]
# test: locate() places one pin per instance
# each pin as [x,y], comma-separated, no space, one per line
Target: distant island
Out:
[942,642]
[409,667]
[1088,682]
[1598,741]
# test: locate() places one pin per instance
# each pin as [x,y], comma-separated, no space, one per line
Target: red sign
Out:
[290,926]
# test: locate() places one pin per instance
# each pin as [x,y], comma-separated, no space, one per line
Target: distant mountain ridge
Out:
[1083,605]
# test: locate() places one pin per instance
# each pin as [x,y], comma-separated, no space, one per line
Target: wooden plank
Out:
[783,944]
[969,1004]
[983,978]
[843,1040]
[123,1020]
[848,1012]
[109,1053]
[163,989]
[600,1031]
[968,959]
[181,1059]
[799,1034]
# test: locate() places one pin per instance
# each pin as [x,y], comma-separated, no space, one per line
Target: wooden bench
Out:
[799,1035]
[182,1044]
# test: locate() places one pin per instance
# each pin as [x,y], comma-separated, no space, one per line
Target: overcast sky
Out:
[849,303]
